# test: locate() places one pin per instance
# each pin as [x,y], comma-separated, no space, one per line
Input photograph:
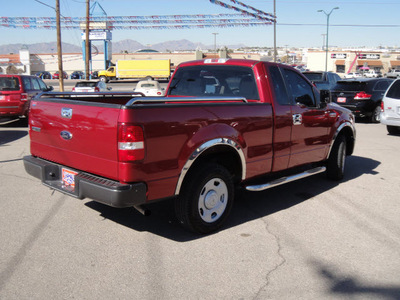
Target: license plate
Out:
[68,178]
[341,99]
[2,97]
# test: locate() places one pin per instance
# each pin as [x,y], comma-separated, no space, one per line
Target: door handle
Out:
[297,119]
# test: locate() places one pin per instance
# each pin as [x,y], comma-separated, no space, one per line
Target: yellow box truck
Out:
[137,69]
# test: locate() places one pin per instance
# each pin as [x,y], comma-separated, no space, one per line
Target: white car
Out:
[393,74]
[390,108]
[353,75]
[90,86]
[149,88]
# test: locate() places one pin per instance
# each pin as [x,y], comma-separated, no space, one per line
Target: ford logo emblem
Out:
[66,135]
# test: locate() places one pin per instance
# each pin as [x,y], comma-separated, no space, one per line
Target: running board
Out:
[283,180]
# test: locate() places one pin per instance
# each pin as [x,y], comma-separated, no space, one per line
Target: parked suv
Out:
[362,96]
[16,92]
[322,80]
[390,106]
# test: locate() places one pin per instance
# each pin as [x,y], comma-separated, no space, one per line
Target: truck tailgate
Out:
[78,134]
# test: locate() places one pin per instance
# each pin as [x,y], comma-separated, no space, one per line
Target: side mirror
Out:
[49,89]
[325,98]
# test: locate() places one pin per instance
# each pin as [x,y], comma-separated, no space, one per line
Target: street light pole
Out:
[215,43]
[327,34]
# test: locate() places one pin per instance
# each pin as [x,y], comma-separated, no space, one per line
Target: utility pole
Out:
[87,44]
[59,48]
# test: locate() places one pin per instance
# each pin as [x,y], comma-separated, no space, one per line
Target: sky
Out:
[357,23]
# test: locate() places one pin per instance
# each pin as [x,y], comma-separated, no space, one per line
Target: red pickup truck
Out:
[223,124]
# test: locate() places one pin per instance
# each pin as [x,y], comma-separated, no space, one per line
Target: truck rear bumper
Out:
[85,185]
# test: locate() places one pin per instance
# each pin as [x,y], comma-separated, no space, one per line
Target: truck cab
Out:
[108,74]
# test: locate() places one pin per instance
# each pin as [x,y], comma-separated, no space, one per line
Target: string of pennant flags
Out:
[243,18]
[270,18]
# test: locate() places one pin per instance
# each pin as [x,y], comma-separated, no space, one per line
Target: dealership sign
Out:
[339,55]
[369,56]
[97,35]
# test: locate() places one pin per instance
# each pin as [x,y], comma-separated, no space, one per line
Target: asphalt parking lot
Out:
[311,239]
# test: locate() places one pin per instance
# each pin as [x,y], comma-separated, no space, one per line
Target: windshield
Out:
[9,84]
[214,80]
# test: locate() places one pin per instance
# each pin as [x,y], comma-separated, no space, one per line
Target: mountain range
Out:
[127,45]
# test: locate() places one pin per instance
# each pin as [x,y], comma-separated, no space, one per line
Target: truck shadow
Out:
[8,136]
[249,206]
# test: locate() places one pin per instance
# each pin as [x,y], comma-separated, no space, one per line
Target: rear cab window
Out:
[212,80]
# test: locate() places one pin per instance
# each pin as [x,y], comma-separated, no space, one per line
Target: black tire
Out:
[393,129]
[337,158]
[376,115]
[206,199]
[103,79]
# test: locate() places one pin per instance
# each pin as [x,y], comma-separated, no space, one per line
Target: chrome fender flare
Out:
[207,145]
[339,129]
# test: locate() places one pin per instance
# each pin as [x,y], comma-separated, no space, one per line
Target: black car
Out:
[363,96]
[77,75]
[322,80]
[43,75]
[95,74]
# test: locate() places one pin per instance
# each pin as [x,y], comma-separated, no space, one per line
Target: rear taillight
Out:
[24,97]
[362,96]
[382,106]
[73,89]
[130,143]
[159,93]
[96,89]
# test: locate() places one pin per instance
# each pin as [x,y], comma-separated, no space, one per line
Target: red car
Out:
[16,92]
[56,75]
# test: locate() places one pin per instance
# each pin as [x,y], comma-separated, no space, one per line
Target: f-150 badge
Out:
[66,113]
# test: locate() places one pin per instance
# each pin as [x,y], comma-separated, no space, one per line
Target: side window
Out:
[394,91]
[27,83]
[35,84]
[382,85]
[42,85]
[279,86]
[302,92]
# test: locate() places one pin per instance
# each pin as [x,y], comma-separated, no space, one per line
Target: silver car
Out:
[90,86]
[390,108]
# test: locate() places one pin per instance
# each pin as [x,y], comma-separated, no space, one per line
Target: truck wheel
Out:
[337,159]
[206,199]
[393,129]
[376,115]
[103,78]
